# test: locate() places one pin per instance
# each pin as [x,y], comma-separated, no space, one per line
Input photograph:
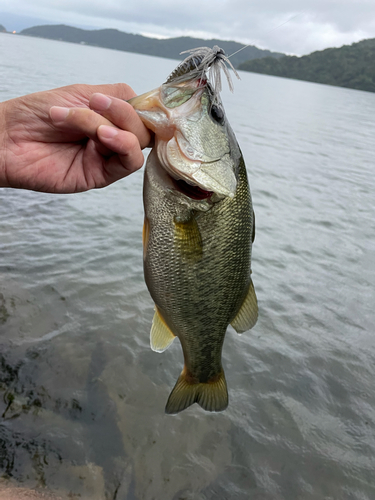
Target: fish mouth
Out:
[192,191]
[201,180]
[197,179]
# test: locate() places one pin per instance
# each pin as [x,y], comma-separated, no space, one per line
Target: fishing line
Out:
[266,33]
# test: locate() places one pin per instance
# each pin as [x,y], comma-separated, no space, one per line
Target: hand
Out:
[89,141]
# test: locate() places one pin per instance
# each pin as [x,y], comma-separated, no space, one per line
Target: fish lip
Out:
[182,182]
[197,173]
[189,179]
[184,185]
[177,186]
[191,190]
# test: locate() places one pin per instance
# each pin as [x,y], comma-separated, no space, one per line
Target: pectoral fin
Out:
[248,314]
[161,336]
[188,239]
[145,236]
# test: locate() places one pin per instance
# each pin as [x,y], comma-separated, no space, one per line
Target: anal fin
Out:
[248,314]
[161,336]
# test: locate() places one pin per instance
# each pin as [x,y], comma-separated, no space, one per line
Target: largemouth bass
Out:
[198,231]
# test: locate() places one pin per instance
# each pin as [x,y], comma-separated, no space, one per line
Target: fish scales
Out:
[203,293]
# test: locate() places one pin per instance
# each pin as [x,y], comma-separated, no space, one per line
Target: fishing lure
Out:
[201,61]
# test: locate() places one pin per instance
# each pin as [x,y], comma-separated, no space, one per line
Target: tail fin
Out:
[211,396]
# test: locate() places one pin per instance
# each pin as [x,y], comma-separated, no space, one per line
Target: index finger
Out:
[121,114]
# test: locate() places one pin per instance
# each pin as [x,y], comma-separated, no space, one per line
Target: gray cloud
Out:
[288,26]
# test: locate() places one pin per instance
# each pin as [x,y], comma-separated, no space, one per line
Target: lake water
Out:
[82,394]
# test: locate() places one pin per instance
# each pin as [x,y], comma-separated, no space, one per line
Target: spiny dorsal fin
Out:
[248,314]
[211,396]
[161,336]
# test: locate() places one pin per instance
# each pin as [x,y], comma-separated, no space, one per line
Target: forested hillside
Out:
[351,66]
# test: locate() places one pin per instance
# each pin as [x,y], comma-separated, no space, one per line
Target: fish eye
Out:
[217,114]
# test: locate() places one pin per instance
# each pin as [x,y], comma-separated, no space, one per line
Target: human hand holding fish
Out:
[70,139]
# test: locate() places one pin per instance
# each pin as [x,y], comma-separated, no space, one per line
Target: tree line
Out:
[350,66]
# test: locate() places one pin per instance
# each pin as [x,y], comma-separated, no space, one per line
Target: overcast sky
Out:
[291,26]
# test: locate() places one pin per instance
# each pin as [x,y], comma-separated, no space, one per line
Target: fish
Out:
[198,227]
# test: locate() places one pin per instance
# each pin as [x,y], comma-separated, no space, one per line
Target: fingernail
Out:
[108,132]
[100,102]
[58,114]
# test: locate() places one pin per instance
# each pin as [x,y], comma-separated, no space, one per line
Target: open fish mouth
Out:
[207,179]
[181,183]
[197,179]
[192,191]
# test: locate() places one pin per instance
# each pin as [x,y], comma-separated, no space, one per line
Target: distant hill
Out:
[2,29]
[350,66]
[169,48]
